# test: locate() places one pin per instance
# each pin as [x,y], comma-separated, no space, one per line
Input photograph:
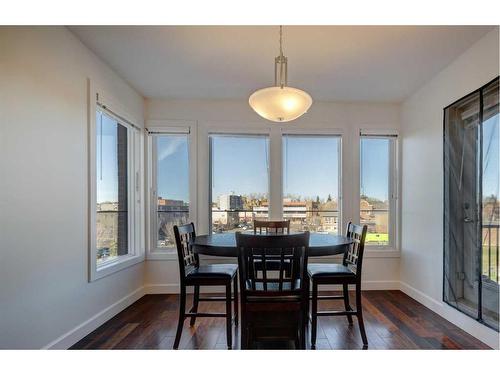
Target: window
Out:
[377,188]
[115,192]
[112,224]
[311,176]
[170,181]
[239,174]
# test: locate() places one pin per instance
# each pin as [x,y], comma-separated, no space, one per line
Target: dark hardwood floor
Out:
[392,319]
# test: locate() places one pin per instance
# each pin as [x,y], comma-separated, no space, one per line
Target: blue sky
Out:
[240,164]
[374,174]
[310,166]
[172,170]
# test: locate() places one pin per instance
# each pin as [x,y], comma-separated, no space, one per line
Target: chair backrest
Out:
[188,259]
[353,258]
[289,250]
[271,226]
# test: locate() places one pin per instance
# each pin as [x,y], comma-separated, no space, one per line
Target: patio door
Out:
[471,192]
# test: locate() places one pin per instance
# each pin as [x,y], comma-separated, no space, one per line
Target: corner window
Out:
[378,188]
[112,215]
[170,198]
[115,193]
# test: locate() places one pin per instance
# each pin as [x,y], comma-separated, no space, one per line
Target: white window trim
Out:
[393,248]
[168,127]
[135,188]
[331,132]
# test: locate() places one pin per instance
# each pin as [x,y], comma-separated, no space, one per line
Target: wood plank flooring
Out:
[392,319]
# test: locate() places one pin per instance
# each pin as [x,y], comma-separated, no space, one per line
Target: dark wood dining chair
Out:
[271,226]
[193,274]
[345,274]
[273,305]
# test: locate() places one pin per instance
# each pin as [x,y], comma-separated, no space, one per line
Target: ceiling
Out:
[332,63]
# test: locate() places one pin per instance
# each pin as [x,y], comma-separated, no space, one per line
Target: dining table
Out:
[224,244]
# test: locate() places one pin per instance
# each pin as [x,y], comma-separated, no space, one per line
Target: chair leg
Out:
[194,309]
[346,302]
[303,325]
[236,300]
[314,315]
[182,312]
[229,316]
[244,332]
[359,315]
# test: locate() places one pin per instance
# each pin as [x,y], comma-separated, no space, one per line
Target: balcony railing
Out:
[490,251]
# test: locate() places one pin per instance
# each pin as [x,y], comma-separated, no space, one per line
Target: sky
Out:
[240,164]
[374,172]
[310,166]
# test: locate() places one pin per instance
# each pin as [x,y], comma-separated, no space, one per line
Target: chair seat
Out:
[213,271]
[328,270]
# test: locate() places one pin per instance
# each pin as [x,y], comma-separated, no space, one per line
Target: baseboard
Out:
[487,335]
[76,334]
[161,288]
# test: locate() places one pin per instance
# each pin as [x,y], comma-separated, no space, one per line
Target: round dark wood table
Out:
[224,244]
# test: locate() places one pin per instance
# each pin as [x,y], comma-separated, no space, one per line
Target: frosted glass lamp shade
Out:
[280,104]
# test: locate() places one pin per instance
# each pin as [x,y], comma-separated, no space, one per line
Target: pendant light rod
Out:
[281,66]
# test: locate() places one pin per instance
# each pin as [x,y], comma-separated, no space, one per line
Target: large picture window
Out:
[239,175]
[377,188]
[311,177]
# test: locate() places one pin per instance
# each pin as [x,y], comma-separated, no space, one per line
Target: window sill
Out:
[110,268]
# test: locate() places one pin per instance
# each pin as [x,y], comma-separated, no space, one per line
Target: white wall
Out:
[422,187]
[379,272]
[44,288]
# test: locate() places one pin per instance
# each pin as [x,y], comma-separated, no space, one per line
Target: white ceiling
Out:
[338,63]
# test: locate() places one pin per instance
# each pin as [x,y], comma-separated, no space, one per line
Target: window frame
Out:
[312,132]
[99,100]
[235,132]
[158,128]
[393,185]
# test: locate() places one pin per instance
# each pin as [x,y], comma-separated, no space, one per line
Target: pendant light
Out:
[280,103]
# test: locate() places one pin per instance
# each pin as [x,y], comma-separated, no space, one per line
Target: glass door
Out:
[471,175]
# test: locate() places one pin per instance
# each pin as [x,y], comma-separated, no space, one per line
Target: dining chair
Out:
[345,274]
[271,226]
[196,275]
[273,304]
